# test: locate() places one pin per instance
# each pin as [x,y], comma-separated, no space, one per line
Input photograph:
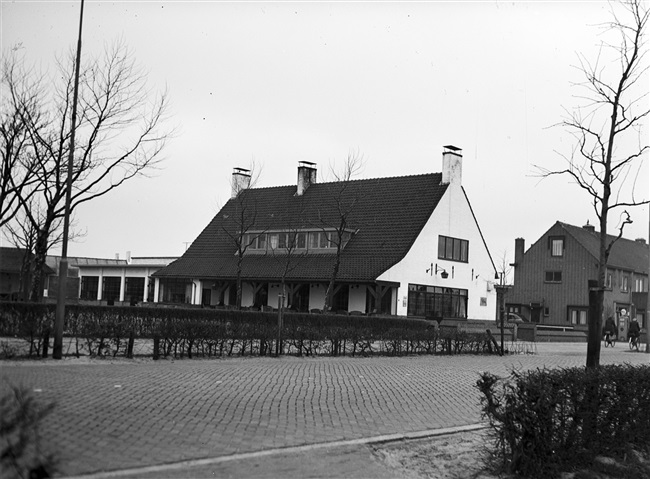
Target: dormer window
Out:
[310,241]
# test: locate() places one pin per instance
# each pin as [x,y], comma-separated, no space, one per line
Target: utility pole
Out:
[57,351]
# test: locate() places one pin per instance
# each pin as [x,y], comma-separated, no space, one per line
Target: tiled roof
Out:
[11,260]
[625,254]
[388,213]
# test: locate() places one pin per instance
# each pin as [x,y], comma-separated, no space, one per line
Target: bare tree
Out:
[119,136]
[240,225]
[18,168]
[342,203]
[609,145]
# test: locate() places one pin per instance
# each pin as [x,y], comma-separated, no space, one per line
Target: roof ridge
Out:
[356,180]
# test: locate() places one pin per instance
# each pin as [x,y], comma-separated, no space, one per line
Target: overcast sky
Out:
[291,81]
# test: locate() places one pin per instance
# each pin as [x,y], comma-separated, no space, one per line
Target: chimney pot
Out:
[452,165]
[640,240]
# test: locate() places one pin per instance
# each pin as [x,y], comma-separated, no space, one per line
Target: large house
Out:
[408,246]
[551,277]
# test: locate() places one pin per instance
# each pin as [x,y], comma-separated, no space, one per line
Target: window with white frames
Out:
[624,283]
[640,285]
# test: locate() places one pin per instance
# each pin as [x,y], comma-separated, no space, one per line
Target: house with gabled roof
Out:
[551,277]
[406,246]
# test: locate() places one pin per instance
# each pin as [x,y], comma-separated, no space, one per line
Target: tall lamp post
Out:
[57,351]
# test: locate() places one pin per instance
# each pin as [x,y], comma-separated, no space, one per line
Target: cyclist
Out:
[634,330]
[610,331]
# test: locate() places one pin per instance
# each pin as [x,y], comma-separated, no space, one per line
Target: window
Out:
[624,283]
[640,285]
[609,280]
[134,289]
[89,287]
[453,249]
[577,315]
[175,290]
[557,246]
[435,302]
[111,289]
[553,277]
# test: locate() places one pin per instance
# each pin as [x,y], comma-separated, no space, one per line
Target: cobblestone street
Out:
[125,415]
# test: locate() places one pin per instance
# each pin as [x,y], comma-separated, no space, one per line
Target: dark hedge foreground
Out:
[548,421]
[178,332]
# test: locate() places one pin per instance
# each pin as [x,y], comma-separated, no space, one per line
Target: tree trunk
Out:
[38,265]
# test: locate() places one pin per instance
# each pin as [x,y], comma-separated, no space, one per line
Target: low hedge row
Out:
[546,421]
[178,332]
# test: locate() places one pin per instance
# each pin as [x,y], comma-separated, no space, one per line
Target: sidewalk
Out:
[261,417]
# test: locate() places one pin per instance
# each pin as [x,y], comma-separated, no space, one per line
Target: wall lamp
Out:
[443,271]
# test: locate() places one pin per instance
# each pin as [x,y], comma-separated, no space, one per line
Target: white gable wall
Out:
[452,217]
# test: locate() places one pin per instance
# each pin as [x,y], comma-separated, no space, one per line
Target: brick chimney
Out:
[640,240]
[590,228]
[241,180]
[520,248]
[306,176]
[452,165]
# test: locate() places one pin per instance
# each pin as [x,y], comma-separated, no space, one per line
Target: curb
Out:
[182,465]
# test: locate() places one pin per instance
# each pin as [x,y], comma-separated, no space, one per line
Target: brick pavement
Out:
[128,414]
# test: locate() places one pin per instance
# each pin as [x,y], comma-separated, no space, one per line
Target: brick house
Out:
[551,277]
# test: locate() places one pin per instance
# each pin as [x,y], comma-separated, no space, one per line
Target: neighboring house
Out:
[14,273]
[113,281]
[411,246]
[551,278]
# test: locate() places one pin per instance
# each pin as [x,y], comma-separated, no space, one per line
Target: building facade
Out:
[407,246]
[551,277]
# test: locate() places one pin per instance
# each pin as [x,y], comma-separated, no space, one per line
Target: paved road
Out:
[129,414]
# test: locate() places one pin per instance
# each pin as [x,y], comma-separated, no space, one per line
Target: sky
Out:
[281,82]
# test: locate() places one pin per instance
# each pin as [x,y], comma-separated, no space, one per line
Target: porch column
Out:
[100,284]
[122,284]
[156,290]
[146,285]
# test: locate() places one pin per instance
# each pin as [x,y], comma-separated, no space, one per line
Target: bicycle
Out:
[610,339]
[634,342]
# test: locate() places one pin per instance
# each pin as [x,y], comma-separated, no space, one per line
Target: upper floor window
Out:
[640,285]
[453,249]
[556,245]
[624,283]
[279,241]
[608,280]
[553,277]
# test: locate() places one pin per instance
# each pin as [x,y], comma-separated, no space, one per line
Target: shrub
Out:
[21,453]
[545,420]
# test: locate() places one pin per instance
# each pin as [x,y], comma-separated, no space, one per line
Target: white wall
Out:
[452,217]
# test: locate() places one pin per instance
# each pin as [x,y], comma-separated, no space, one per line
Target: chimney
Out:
[640,240]
[241,180]
[306,176]
[520,247]
[589,227]
[117,255]
[452,165]
[128,257]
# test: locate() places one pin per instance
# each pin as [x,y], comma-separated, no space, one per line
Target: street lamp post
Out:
[57,351]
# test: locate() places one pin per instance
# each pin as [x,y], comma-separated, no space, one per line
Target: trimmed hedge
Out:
[546,421]
[192,332]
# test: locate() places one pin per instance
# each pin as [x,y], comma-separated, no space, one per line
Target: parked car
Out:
[515,318]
